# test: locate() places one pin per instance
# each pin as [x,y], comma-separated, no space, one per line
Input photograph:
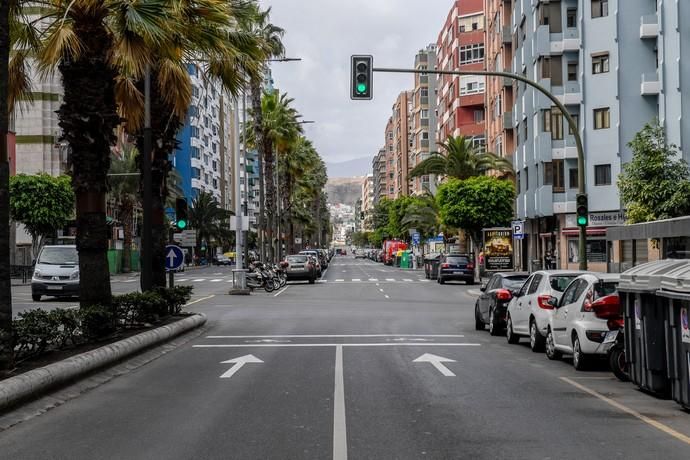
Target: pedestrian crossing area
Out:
[228,279]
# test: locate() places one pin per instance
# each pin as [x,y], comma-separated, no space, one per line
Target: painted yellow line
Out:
[199,300]
[649,421]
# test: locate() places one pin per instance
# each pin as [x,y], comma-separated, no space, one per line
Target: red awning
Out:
[591,231]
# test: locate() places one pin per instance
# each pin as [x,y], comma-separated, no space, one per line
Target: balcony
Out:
[508,120]
[507,35]
[567,41]
[543,148]
[649,26]
[651,86]
[543,201]
[542,43]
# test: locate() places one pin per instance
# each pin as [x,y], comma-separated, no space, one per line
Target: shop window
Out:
[677,248]
[596,250]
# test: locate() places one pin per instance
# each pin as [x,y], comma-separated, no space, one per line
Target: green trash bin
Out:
[405,259]
[675,296]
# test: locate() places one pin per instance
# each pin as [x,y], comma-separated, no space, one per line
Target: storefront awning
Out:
[591,231]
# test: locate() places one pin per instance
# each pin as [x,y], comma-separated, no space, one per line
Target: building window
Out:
[571,17]
[526,178]
[602,175]
[556,124]
[215,166]
[596,250]
[499,146]
[600,8]
[602,118]
[424,92]
[558,176]
[517,182]
[478,116]
[572,177]
[196,153]
[525,133]
[572,71]
[479,143]
[424,113]
[547,120]
[600,63]
[576,119]
[548,173]
[546,67]
[425,135]
[472,53]
[471,87]
[196,173]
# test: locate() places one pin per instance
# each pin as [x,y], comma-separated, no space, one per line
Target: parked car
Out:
[455,267]
[317,259]
[360,254]
[493,302]
[529,311]
[56,273]
[323,255]
[300,267]
[578,326]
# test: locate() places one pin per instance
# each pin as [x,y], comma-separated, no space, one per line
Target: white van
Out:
[56,273]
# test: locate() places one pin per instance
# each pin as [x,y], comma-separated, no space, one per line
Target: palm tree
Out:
[462,160]
[280,129]
[271,42]
[124,188]
[88,42]
[208,219]
[422,214]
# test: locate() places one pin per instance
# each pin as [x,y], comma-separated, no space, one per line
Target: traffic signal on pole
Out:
[582,210]
[362,77]
[181,213]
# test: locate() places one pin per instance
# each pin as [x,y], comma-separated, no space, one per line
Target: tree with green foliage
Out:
[360,239]
[423,215]
[656,183]
[210,221]
[396,213]
[476,203]
[124,190]
[380,215]
[462,160]
[42,203]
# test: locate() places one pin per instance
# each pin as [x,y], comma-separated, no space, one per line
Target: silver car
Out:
[529,310]
[56,273]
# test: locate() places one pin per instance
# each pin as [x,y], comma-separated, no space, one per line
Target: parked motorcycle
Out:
[615,340]
[260,277]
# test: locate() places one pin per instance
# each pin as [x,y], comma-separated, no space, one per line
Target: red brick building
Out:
[460,46]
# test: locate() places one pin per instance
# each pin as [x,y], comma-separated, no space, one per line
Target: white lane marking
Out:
[183,280]
[199,300]
[425,281]
[373,279]
[474,292]
[238,364]
[648,420]
[281,291]
[339,424]
[339,280]
[322,281]
[323,274]
[322,336]
[436,361]
[356,280]
[390,279]
[219,273]
[289,345]
[407,280]
[386,296]
[198,280]
[217,280]
[380,289]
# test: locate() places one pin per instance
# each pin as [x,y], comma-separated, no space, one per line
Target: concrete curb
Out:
[38,381]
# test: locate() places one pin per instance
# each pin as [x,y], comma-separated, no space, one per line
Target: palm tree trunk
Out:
[255,85]
[88,119]
[6,345]
[270,195]
[126,214]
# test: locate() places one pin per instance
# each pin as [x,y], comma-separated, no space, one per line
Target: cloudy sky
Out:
[324,33]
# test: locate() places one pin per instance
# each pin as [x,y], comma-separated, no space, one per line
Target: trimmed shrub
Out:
[97,321]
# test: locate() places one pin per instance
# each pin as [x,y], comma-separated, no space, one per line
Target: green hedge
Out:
[38,331]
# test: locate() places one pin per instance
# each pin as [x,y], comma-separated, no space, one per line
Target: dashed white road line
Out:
[339,280]
[387,296]
[356,279]
[408,280]
[339,425]
[198,280]
[373,279]
[217,280]
[390,279]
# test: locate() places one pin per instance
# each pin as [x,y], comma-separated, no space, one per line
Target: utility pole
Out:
[147,234]
[571,123]
[239,265]
[246,174]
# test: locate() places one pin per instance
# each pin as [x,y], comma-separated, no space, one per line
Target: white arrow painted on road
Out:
[436,362]
[238,364]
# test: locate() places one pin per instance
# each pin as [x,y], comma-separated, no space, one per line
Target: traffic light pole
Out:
[571,123]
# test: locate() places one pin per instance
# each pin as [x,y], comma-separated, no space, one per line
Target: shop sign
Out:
[498,249]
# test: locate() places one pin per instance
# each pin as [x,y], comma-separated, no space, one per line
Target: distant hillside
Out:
[345,190]
[351,168]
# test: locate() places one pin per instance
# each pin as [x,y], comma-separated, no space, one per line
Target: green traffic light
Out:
[581,220]
[182,224]
[361,88]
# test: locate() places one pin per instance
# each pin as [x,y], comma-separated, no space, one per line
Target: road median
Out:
[37,382]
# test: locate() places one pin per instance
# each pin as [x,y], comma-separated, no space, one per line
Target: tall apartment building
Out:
[401,143]
[423,119]
[460,46]
[378,167]
[204,155]
[390,160]
[367,199]
[613,78]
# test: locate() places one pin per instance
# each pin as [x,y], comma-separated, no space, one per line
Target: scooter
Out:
[615,340]
[258,278]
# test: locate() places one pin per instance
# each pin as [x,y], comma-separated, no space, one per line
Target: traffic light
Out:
[181,213]
[362,78]
[582,210]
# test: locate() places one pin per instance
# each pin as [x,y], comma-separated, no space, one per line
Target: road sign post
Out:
[174,258]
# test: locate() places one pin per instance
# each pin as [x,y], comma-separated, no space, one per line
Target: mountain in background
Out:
[344,190]
[350,168]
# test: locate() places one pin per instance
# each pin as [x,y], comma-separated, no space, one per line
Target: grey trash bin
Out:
[675,295]
[645,325]
[431,263]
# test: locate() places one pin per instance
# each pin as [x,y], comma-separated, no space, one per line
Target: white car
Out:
[529,311]
[578,325]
